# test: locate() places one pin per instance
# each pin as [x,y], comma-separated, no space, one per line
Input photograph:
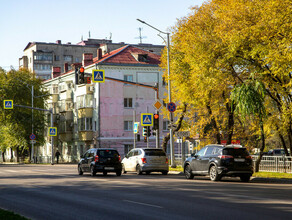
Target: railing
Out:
[278,164]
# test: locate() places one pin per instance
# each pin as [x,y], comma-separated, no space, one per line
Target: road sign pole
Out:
[134,119]
[52,138]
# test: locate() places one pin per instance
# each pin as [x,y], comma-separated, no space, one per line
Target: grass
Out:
[258,174]
[273,175]
[8,215]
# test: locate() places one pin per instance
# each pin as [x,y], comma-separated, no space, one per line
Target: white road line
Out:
[140,203]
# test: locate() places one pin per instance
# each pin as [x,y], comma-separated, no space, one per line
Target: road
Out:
[57,192]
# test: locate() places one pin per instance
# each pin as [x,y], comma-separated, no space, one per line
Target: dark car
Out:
[100,160]
[218,161]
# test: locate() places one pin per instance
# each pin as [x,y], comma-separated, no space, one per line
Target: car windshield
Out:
[154,152]
[108,153]
[235,151]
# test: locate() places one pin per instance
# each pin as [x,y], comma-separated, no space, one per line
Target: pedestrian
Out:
[57,155]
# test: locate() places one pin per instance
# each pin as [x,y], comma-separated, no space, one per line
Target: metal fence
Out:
[278,164]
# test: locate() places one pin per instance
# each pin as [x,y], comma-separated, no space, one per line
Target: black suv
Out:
[218,161]
[100,160]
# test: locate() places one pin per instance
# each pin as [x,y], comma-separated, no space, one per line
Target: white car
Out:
[145,160]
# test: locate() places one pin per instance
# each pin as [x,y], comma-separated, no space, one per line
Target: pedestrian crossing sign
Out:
[98,76]
[147,119]
[8,104]
[52,131]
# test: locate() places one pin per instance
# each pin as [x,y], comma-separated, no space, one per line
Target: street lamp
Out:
[169,93]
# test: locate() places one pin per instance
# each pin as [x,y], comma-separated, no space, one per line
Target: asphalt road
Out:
[58,192]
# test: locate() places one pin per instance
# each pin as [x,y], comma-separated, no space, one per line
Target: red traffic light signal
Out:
[156,121]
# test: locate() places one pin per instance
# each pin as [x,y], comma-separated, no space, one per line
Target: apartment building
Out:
[41,57]
[103,114]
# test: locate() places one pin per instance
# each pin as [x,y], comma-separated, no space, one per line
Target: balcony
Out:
[86,112]
[85,135]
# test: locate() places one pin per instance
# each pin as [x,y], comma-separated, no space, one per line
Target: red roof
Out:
[126,55]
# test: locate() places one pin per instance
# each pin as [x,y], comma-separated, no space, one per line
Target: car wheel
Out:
[164,172]
[80,172]
[138,170]
[147,172]
[123,169]
[92,171]
[245,178]
[104,173]
[188,172]
[214,176]
[119,173]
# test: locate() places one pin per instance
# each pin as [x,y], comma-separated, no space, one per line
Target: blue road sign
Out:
[8,104]
[52,131]
[147,119]
[98,76]
[171,107]
[136,125]
[32,137]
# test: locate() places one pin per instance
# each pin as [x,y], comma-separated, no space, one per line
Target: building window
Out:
[128,125]
[128,78]
[68,58]
[127,148]
[85,124]
[77,60]
[165,125]
[84,101]
[128,103]
[42,67]
[57,57]
[43,56]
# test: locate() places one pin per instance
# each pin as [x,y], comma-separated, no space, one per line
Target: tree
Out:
[16,124]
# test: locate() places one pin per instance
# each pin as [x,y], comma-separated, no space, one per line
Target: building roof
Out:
[128,55]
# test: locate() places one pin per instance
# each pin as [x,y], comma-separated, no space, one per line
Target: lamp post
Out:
[169,93]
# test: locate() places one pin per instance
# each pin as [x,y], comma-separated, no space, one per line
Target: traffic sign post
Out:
[136,127]
[182,133]
[52,131]
[98,76]
[32,137]
[8,104]
[147,119]
[32,141]
[171,107]
[157,105]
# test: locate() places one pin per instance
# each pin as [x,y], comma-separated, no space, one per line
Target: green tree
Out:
[17,124]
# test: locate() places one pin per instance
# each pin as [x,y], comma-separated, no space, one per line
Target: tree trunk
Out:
[257,168]
[179,122]
[3,155]
[214,125]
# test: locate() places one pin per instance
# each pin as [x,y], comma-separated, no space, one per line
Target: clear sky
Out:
[24,21]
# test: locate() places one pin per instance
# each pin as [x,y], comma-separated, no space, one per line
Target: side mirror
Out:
[192,155]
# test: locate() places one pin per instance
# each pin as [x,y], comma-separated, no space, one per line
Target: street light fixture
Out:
[169,93]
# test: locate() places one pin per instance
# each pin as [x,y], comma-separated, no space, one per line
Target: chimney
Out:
[65,67]
[56,71]
[87,59]
[58,42]
[99,53]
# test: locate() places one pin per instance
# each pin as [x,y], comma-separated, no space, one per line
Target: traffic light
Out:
[76,76]
[156,122]
[148,131]
[81,75]
[154,132]
[144,131]
[138,137]
[145,139]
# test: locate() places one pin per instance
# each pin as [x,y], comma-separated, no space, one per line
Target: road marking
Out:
[140,203]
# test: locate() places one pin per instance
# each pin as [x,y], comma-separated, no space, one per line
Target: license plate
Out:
[109,168]
[239,159]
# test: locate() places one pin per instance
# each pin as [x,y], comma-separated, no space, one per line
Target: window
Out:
[43,56]
[209,151]
[42,67]
[201,152]
[128,125]
[68,58]
[127,148]
[128,102]
[85,124]
[77,60]
[165,125]
[57,57]
[128,78]
[84,101]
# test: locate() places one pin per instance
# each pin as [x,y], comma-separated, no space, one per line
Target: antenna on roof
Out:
[110,37]
[88,34]
[140,35]
[81,37]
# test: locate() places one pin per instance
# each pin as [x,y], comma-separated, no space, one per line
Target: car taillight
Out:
[225,156]
[166,161]
[96,159]
[248,157]
[144,160]
[120,158]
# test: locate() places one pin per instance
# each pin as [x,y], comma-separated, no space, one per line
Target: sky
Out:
[24,21]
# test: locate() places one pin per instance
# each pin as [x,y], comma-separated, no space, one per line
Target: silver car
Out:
[145,160]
